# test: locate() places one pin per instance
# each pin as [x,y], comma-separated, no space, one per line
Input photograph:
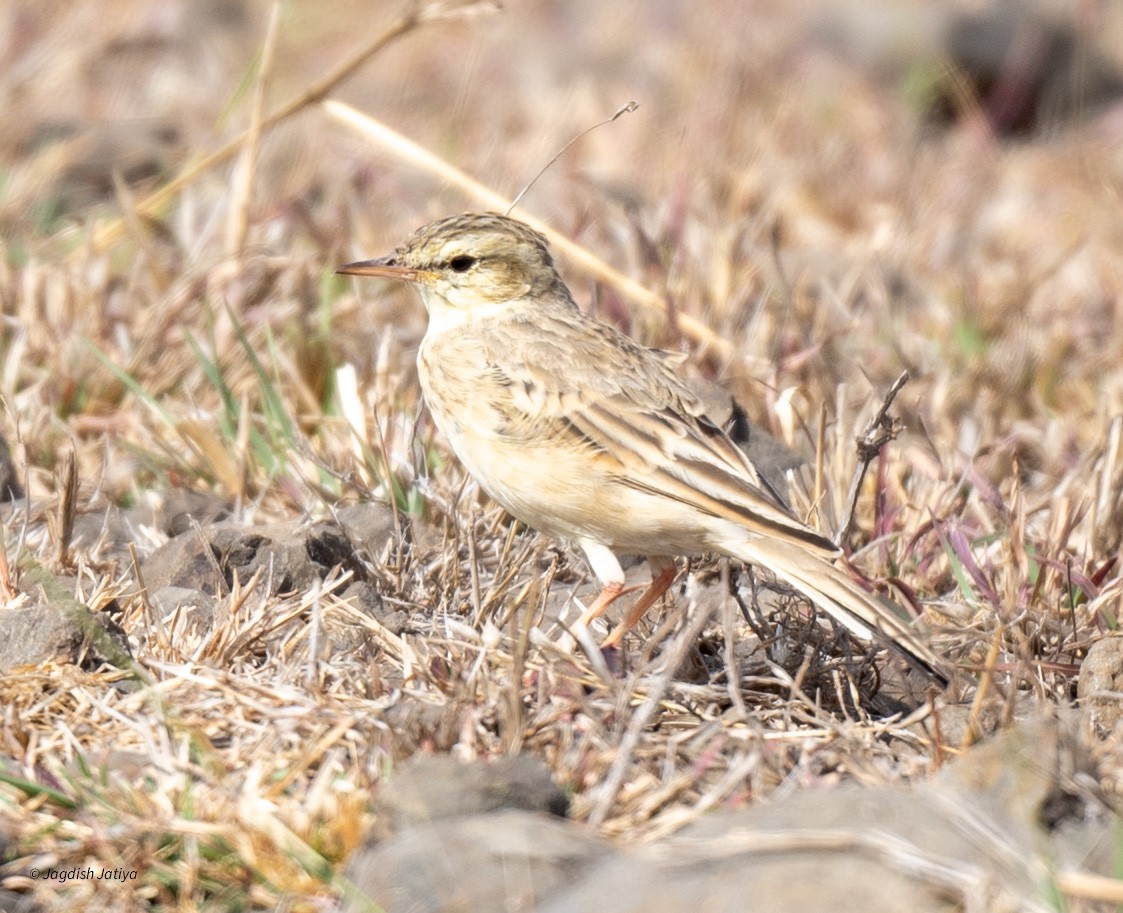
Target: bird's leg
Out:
[608,572]
[663,573]
[608,595]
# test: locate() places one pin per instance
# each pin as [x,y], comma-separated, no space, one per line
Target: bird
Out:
[582,433]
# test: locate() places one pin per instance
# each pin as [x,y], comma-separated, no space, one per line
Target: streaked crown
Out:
[474,234]
[473,259]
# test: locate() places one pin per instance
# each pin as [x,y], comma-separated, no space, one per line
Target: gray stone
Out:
[505,861]
[195,606]
[188,561]
[429,787]
[35,634]
[1100,685]
[365,597]
[367,525]
[183,508]
[11,902]
[981,834]
[289,557]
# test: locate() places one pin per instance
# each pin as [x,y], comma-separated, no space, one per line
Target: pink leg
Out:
[608,595]
[662,576]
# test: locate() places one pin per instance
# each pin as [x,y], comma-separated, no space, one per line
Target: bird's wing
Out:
[598,390]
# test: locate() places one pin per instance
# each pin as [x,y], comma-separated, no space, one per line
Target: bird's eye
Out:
[461,263]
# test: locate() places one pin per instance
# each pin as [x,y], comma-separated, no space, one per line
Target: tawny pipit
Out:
[585,435]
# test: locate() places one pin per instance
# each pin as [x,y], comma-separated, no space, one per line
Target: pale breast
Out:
[525,455]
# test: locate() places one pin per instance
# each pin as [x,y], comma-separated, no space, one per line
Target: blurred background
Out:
[835,192]
[967,153]
[839,192]
[131,87]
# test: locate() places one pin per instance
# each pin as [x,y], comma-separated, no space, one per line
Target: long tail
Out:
[834,592]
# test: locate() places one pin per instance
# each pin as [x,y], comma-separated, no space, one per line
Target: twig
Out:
[238,220]
[673,659]
[879,432]
[7,590]
[1089,886]
[974,730]
[151,205]
[732,667]
[68,503]
[626,109]
[208,553]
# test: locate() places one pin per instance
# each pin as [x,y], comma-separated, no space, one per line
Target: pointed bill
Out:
[386,268]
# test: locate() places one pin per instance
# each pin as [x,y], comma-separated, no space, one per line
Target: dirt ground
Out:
[244,580]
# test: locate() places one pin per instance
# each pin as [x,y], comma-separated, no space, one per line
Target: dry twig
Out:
[879,432]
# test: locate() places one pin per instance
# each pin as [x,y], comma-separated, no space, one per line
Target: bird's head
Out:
[470,264]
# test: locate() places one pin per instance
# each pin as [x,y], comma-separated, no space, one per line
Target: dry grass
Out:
[785,201]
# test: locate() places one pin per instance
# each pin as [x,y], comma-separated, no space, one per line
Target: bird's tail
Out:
[829,587]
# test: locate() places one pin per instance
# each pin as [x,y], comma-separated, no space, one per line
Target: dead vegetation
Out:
[171,321]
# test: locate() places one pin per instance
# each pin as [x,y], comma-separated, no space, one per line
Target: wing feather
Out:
[643,417]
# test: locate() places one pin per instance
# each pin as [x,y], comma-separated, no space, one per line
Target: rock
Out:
[430,787]
[508,860]
[1031,70]
[1100,684]
[347,634]
[365,597]
[197,567]
[806,853]
[290,558]
[855,849]
[1035,777]
[11,902]
[955,719]
[35,634]
[32,635]
[986,827]
[106,533]
[182,508]
[772,457]
[194,606]
[1013,770]
[1032,66]
[327,545]
[479,836]
[275,549]
[850,850]
[367,525]
[413,722]
[188,561]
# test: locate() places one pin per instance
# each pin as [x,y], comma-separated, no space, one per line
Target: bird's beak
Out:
[386,268]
